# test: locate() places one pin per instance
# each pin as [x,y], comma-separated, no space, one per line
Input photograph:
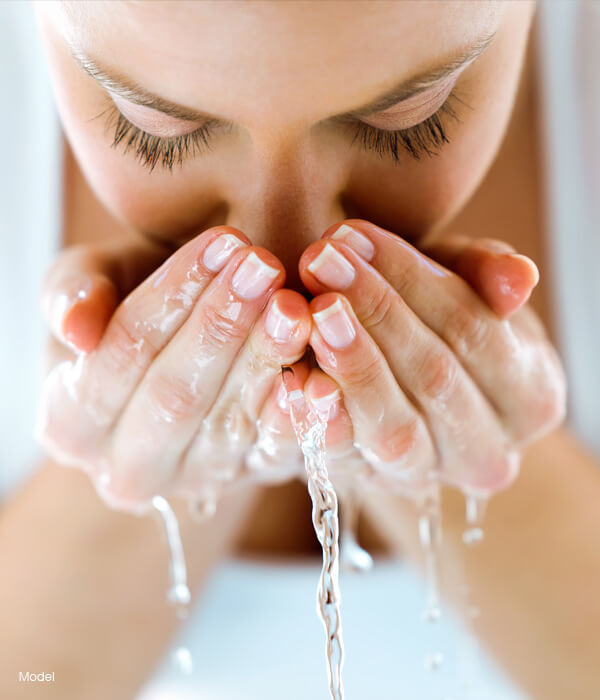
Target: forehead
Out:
[240,58]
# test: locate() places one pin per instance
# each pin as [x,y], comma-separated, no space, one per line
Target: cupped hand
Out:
[171,389]
[442,370]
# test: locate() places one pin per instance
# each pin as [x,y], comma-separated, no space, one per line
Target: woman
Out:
[243,135]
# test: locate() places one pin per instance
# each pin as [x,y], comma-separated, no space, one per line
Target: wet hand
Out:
[442,370]
[170,389]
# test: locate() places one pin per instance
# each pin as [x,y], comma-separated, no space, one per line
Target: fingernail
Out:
[356,240]
[335,325]
[220,250]
[253,277]
[329,404]
[278,325]
[332,269]
[532,266]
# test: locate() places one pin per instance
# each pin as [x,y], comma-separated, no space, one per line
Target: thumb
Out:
[503,278]
[86,282]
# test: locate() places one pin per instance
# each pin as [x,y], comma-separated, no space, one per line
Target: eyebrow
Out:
[132,91]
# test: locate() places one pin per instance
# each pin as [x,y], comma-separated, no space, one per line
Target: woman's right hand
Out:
[178,383]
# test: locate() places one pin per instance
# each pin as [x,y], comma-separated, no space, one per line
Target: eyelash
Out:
[427,138]
[150,149]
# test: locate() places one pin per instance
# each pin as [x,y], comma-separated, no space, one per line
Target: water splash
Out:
[179,594]
[469,665]
[310,426]
[475,506]
[430,536]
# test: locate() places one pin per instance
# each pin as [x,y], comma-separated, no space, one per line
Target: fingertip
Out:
[288,317]
[225,229]
[504,280]
[323,301]
[307,257]
[516,277]
[529,269]
[85,321]
[323,393]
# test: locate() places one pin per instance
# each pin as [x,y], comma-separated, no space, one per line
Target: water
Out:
[475,506]
[353,557]
[179,594]
[469,660]
[202,509]
[430,536]
[310,427]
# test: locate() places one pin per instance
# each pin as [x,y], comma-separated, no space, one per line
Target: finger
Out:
[471,442]
[82,400]
[343,460]
[183,382]
[279,337]
[84,285]
[503,278]
[500,276]
[388,430]
[516,373]
[276,456]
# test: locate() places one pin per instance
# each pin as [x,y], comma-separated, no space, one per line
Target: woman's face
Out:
[265,85]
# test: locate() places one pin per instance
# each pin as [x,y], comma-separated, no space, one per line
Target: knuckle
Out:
[127,344]
[232,426]
[400,447]
[172,398]
[218,328]
[361,370]
[466,330]
[263,357]
[377,308]
[400,441]
[438,375]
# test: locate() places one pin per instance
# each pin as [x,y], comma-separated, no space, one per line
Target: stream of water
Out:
[179,594]
[310,426]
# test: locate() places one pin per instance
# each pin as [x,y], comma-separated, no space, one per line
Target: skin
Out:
[296,162]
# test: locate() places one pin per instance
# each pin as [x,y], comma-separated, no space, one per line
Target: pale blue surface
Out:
[271,636]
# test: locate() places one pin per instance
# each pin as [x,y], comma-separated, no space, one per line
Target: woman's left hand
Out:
[435,376]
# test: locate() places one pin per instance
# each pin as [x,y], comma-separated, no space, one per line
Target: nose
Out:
[288,201]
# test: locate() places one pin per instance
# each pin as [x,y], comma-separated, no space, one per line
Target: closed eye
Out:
[424,138]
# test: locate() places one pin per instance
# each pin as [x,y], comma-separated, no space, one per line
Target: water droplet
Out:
[472,536]
[432,613]
[434,661]
[182,658]
[203,509]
